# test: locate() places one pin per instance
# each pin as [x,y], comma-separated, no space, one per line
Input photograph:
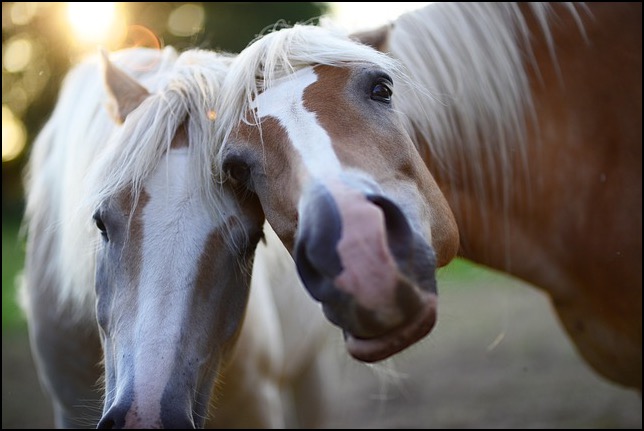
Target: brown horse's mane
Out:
[471,99]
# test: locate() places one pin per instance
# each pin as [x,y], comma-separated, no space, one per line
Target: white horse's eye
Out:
[237,170]
[382,92]
[100,225]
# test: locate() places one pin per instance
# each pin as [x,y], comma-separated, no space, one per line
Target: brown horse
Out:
[535,139]
[529,116]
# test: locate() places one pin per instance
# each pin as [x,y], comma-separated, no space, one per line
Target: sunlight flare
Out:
[93,23]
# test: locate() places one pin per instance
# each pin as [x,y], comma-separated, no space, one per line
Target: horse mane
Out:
[185,95]
[82,156]
[279,53]
[473,60]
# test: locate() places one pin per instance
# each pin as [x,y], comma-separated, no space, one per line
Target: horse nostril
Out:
[305,267]
[399,232]
[113,419]
[316,256]
[313,272]
[106,423]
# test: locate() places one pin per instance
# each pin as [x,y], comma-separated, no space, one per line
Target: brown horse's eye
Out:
[381,92]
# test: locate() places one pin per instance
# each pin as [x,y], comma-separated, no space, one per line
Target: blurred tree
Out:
[39,45]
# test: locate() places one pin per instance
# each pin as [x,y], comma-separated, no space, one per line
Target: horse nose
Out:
[123,417]
[359,256]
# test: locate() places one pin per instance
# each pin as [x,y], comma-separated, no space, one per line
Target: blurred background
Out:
[41,41]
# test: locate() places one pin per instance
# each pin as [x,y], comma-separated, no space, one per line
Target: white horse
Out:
[130,226]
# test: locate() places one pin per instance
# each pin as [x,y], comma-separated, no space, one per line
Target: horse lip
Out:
[380,348]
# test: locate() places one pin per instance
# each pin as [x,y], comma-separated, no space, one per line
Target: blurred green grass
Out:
[13,258]
[462,270]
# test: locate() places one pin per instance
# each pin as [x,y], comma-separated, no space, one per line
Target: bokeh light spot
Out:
[14,135]
[186,20]
[16,54]
[23,12]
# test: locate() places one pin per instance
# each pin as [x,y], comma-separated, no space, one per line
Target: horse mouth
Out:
[382,347]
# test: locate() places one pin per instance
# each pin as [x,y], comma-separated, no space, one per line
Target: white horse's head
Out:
[144,218]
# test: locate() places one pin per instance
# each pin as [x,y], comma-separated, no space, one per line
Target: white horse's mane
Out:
[282,52]
[473,58]
[81,156]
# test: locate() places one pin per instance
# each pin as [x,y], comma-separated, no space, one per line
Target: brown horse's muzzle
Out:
[373,274]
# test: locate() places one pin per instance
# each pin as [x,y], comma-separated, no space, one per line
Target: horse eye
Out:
[100,225]
[237,170]
[381,92]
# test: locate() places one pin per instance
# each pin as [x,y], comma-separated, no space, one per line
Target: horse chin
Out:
[384,346]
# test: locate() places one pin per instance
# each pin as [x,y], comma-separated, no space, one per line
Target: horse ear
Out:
[377,38]
[126,93]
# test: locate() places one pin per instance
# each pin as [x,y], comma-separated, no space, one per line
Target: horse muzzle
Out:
[374,275]
[122,417]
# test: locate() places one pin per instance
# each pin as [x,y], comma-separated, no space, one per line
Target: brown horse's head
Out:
[322,145]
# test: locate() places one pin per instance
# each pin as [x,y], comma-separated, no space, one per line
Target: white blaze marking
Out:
[284,101]
[176,225]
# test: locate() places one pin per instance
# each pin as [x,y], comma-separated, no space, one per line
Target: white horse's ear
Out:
[377,38]
[126,94]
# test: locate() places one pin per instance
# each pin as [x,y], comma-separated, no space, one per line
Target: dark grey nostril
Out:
[399,232]
[106,424]
[413,255]
[315,253]
[112,420]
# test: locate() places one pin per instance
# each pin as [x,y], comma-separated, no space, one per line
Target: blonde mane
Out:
[473,58]
[82,157]
[282,52]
